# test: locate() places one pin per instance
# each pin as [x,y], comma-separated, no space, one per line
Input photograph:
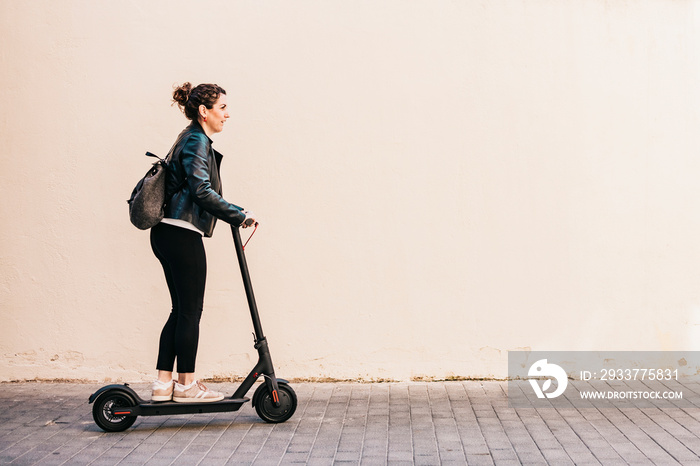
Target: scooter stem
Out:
[247,284]
[264,365]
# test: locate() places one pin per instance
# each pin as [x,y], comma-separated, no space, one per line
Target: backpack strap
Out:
[150,154]
[165,162]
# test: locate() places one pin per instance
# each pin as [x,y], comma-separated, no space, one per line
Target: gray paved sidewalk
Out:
[344,423]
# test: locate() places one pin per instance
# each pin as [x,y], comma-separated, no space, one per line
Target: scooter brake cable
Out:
[251,235]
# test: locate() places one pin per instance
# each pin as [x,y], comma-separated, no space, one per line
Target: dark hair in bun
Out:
[189,99]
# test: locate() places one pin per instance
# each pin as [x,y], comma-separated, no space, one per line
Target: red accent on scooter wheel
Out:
[107,413]
[265,406]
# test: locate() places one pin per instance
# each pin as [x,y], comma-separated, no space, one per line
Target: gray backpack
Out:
[148,197]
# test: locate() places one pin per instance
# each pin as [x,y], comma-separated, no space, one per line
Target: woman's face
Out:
[215,117]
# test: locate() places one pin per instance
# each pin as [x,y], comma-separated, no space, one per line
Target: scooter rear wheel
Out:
[266,408]
[102,411]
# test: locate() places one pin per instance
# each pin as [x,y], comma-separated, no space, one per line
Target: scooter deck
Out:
[147,408]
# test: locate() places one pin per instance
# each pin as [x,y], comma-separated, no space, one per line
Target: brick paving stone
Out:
[343,423]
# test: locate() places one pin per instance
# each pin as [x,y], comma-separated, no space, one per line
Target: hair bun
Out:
[190,99]
[182,94]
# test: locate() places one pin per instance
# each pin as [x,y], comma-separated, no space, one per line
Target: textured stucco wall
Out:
[439,182]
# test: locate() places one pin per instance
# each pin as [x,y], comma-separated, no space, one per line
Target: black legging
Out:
[181,252]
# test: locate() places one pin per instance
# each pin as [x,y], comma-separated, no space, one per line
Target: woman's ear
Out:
[203,112]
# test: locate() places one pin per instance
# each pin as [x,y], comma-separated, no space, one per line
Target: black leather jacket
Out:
[193,184]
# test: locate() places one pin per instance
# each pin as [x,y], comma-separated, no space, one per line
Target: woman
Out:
[193,188]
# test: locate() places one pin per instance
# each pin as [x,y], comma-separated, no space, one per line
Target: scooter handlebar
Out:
[250,219]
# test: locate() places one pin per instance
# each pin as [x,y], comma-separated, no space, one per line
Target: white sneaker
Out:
[162,391]
[195,392]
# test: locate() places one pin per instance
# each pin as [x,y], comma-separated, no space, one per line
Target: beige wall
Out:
[439,182]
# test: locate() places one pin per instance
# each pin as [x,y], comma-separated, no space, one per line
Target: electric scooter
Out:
[116,407]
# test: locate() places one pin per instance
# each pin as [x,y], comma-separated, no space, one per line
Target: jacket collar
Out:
[195,126]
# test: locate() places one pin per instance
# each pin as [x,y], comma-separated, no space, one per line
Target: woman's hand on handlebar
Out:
[250,219]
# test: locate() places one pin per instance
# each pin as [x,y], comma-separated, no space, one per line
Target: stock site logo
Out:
[541,369]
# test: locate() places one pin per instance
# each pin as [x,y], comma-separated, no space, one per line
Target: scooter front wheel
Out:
[265,406]
[104,407]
